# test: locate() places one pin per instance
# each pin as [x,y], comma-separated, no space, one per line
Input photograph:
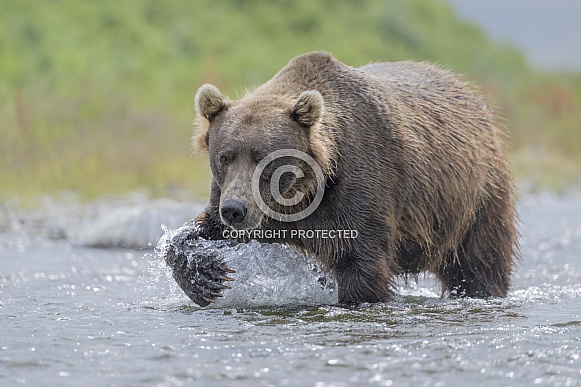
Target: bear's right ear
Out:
[209,101]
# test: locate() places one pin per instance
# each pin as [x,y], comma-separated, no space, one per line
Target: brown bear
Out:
[411,175]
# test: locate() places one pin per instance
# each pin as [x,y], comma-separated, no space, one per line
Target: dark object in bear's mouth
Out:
[198,270]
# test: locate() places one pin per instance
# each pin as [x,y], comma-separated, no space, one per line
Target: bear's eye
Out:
[224,160]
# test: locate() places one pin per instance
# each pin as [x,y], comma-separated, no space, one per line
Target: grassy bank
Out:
[96,97]
[542,116]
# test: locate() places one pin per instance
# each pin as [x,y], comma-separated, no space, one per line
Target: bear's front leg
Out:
[208,223]
[196,264]
[361,279]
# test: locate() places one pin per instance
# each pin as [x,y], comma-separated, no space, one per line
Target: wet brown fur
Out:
[413,162]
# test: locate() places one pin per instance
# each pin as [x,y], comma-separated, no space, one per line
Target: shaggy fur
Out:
[412,158]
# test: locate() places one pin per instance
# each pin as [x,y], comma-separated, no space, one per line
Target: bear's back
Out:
[420,80]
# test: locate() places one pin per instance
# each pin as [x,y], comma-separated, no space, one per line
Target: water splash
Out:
[266,274]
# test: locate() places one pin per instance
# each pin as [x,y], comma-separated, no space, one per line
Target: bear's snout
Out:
[233,211]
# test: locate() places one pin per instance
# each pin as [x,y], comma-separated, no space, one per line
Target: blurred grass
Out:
[96,97]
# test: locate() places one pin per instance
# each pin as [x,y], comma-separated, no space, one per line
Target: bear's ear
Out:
[209,101]
[308,110]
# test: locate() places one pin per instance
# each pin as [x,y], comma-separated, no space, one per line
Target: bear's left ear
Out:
[308,110]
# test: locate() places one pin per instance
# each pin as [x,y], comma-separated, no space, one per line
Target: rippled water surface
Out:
[74,316]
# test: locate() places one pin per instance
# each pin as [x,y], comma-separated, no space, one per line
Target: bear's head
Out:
[241,136]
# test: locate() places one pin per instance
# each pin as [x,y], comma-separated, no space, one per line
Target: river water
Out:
[98,317]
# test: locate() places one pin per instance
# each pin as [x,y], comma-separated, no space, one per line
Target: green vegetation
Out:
[96,96]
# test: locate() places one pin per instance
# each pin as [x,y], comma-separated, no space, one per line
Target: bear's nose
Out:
[233,211]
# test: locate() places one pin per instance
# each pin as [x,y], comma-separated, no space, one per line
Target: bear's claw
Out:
[197,268]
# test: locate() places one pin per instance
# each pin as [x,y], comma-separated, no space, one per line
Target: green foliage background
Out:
[96,96]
